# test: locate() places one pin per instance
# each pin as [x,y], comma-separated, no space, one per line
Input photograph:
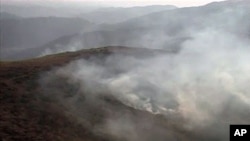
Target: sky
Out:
[125,3]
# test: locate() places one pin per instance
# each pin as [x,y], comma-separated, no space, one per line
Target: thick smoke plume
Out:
[199,91]
[204,87]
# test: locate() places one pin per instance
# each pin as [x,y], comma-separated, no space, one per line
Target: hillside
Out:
[124,94]
[28,114]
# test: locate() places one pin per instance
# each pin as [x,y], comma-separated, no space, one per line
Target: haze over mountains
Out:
[5,15]
[142,27]
[117,15]
[27,32]
[24,9]
[176,74]
[168,29]
[20,33]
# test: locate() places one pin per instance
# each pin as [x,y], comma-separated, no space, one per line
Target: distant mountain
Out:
[119,14]
[32,10]
[5,15]
[168,29]
[31,32]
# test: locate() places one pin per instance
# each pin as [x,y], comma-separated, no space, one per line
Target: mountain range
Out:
[167,29]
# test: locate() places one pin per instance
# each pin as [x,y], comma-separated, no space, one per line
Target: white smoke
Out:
[202,89]
[204,85]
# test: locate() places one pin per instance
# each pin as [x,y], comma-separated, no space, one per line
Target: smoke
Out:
[192,95]
[202,89]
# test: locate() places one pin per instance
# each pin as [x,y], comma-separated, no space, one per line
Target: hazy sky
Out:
[179,3]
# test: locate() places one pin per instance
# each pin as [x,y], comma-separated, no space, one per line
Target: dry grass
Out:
[26,116]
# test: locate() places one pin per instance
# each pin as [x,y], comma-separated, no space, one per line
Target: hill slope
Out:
[124,94]
[29,112]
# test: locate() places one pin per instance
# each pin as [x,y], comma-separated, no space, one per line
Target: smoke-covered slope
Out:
[126,94]
[30,111]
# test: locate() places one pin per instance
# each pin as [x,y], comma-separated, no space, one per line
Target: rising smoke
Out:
[192,95]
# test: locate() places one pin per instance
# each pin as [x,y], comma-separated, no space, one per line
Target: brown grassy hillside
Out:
[26,115]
